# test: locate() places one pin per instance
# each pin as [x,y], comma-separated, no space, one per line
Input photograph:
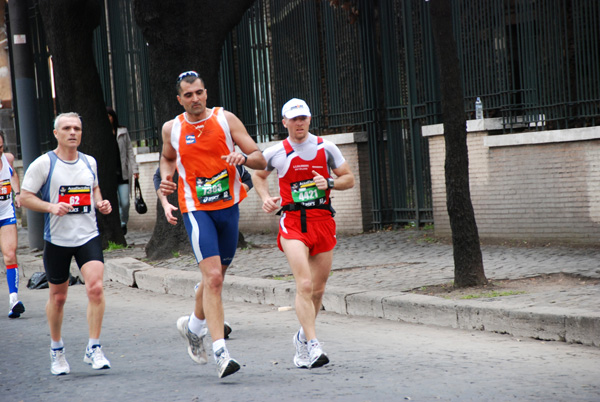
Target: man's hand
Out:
[104,207]
[271,204]
[167,186]
[320,181]
[60,209]
[234,158]
[169,209]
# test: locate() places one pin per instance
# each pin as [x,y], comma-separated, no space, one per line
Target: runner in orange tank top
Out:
[200,144]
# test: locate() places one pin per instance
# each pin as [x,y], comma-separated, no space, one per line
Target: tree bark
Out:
[468,262]
[69,27]
[182,35]
[166,238]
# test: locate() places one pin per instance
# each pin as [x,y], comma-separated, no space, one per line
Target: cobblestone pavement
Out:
[402,260]
[398,260]
[394,262]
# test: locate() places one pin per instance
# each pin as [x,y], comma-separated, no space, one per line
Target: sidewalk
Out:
[372,275]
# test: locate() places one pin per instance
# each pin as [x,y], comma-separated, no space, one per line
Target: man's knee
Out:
[318,293]
[304,287]
[10,256]
[58,299]
[95,291]
[214,279]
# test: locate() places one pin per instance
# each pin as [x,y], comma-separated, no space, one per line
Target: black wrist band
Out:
[246,158]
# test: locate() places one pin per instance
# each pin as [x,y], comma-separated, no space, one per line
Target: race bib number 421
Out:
[79,197]
[307,193]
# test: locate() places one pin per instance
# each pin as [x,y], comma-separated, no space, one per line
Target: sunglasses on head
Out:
[187,74]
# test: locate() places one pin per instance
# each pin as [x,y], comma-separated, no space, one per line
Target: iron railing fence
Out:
[535,64]
[129,88]
[361,77]
[409,86]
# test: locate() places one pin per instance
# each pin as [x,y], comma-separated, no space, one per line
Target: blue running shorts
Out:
[9,221]
[213,233]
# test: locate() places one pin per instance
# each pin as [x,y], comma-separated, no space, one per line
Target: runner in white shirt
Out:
[9,183]
[68,182]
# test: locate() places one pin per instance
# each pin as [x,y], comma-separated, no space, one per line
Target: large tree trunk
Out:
[166,238]
[468,262]
[182,35]
[69,27]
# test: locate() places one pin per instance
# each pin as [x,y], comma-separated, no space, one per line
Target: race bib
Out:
[79,197]
[213,189]
[5,190]
[306,193]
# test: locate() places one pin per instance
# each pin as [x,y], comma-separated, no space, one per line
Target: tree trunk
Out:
[69,27]
[468,262]
[166,238]
[182,35]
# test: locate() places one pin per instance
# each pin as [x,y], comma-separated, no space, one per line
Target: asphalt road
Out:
[371,359]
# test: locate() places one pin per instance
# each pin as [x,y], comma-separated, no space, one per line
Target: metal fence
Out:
[535,64]
[376,75]
[129,90]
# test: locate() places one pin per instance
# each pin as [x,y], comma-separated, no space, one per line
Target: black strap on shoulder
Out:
[302,209]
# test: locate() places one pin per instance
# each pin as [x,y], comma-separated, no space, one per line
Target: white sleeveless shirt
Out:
[6,203]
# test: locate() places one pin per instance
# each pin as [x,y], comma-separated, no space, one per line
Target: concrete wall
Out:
[353,207]
[539,186]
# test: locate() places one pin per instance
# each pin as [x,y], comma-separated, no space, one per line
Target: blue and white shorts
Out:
[213,233]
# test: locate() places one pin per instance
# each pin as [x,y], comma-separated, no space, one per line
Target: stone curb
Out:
[554,324]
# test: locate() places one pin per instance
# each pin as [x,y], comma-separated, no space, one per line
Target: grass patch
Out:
[493,294]
[283,277]
[114,246]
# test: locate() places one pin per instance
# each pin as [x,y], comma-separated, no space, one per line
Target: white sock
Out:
[195,324]
[56,344]
[302,336]
[93,342]
[218,344]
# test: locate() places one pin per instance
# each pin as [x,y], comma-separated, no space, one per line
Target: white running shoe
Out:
[225,364]
[301,358]
[196,348]
[96,358]
[317,357]
[58,362]
[16,309]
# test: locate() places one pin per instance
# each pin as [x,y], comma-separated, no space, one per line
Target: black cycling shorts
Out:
[57,259]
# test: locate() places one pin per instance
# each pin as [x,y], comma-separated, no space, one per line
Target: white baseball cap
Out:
[294,108]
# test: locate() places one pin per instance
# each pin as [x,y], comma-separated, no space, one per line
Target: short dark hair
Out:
[190,79]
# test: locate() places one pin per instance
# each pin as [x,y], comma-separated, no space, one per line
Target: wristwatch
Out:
[330,183]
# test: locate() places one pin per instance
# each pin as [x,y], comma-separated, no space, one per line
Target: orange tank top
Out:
[206,182]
